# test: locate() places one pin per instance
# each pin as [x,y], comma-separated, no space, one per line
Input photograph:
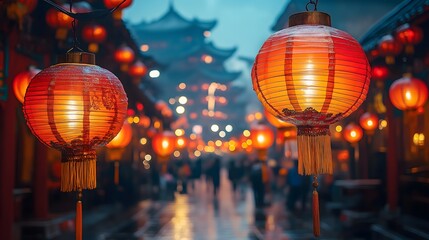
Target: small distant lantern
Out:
[379,74]
[137,71]
[94,34]
[117,147]
[113,3]
[60,21]
[75,107]
[262,138]
[409,36]
[164,144]
[369,122]
[389,47]
[352,133]
[21,81]
[124,55]
[408,93]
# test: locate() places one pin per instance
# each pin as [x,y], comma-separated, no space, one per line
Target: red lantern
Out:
[369,122]
[262,136]
[30,5]
[21,81]
[60,21]
[409,36]
[311,75]
[163,144]
[94,34]
[124,55]
[379,72]
[408,93]
[75,107]
[137,71]
[117,145]
[114,3]
[352,133]
[389,48]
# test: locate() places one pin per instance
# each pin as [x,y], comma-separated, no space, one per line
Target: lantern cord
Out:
[78,224]
[312,2]
[316,214]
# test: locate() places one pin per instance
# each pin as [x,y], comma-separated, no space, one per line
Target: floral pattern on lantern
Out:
[75,107]
[408,93]
[21,81]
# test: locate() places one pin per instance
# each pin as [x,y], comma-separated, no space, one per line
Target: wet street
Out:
[199,215]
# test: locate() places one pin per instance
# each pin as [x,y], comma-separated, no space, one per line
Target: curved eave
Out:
[405,12]
[216,52]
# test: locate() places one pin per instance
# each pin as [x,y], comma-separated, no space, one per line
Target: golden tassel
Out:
[78,223]
[316,214]
[314,150]
[78,171]
[116,174]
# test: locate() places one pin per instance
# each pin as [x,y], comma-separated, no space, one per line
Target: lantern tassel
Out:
[78,171]
[116,174]
[78,224]
[314,154]
[316,214]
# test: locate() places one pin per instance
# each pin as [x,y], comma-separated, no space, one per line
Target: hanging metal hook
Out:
[312,2]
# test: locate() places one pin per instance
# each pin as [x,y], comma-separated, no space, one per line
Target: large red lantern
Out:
[352,133]
[311,75]
[389,47]
[369,122]
[75,107]
[94,34]
[408,93]
[21,81]
[124,55]
[114,3]
[409,36]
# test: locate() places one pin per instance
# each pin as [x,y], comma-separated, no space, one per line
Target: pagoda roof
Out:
[172,20]
[218,53]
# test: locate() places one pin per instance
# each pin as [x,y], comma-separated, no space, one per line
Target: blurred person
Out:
[295,182]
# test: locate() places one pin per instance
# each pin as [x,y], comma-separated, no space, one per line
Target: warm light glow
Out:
[352,133]
[157,124]
[182,86]
[21,81]
[258,116]
[130,120]
[144,47]
[171,101]
[180,109]
[147,157]
[214,128]
[163,143]
[176,154]
[123,138]
[143,141]
[124,55]
[197,153]
[193,136]
[180,142]
[154,73]
[179,132]
[222,134]
[338,128]
[218,143]
[207,33]
[419,139]
[383,124]
[368,121]
[249,142]
[197,129]
[246,133]
[408,93]
[183,100]
[228,128]
[207,59]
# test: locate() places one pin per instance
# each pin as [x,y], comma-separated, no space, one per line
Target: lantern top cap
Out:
[80,57]
[310,18]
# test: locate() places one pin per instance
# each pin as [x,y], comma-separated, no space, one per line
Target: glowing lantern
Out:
[21,81]
[262,138]
[117,146]
[389,48]
[311,75]
[137,71]
[409,36]
[369,122]
[285,130]
[60,21]
[408,93]
[379,72]
[75,107]
[94,34]
[352,133]
[124,55]
[163,144]
[113,3]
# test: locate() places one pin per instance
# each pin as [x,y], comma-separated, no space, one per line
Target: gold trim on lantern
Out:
[312,18]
